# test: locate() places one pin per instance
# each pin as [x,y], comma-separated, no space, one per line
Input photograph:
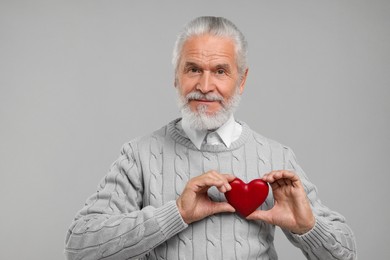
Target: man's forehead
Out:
[208,48]
[207,53]
[199,57]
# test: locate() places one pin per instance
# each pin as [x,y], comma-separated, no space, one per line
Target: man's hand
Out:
[292,209]
[194,204]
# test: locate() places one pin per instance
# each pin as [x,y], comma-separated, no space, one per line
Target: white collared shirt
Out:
[229,132]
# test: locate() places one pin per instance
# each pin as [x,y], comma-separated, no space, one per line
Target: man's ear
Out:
[243,80]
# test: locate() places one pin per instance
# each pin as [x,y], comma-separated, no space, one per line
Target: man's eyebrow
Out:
[224,66]
[189,64]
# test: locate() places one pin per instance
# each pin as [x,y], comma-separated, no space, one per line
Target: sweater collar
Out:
[175,130]
[229,132]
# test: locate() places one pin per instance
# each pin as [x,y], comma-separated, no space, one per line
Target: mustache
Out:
[208,96]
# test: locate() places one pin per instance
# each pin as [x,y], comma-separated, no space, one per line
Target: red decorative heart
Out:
[246,198]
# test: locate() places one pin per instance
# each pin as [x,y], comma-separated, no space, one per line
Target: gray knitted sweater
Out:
[133,214]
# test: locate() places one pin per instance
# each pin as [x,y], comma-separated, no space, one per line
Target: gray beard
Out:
[199,119]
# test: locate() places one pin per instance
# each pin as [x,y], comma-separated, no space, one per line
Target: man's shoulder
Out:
[271,151]
[263,140]
[156,137]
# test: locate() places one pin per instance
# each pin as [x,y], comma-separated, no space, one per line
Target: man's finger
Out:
[278,175]
[219,207]
[263,215]
[212,178]
[221,181]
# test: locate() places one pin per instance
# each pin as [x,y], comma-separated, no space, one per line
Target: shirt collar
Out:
[228,132]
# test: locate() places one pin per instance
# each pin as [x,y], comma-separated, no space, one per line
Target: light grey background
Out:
[80,78]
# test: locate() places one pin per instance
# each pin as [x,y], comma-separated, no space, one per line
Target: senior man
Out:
[163,198]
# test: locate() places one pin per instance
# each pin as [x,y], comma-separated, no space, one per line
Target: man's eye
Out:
[220,71]
[194,70]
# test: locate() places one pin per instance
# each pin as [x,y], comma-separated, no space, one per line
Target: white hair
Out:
[200,119]
[217,26]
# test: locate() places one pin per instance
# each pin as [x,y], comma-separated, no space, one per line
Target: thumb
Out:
[263,215]
[220,207]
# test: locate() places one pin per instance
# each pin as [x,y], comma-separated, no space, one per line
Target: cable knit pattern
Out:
[133,214]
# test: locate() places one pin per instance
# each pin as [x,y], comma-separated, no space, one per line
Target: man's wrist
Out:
[307,229]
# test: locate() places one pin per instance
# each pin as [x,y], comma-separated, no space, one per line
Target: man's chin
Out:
[206,110]
[200,120]
[207,114]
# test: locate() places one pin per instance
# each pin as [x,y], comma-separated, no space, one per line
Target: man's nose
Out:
[205,83]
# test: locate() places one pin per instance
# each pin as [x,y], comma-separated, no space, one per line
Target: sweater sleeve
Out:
[331,237]
[113,224]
